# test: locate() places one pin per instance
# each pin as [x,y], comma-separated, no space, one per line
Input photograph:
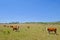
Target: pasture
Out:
[29,32]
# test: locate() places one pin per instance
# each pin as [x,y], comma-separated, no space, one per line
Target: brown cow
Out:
[52,29]
[15,28]
[28,27]
[4,25]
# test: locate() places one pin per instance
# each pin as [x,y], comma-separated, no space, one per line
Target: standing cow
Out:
[52,29]
[15,28]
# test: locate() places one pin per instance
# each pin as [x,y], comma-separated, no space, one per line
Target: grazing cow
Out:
[28,27]
[52,29]
[15,28]
[4,25]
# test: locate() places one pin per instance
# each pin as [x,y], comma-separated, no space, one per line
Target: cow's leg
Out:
[16,29]
[48,31]
[55,31]
[13,29]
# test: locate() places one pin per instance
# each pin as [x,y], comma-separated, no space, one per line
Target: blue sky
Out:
[29,10]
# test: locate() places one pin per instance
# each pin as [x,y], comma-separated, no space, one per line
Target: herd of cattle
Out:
[16,28]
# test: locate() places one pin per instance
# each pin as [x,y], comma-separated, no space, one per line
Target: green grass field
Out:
[35,32]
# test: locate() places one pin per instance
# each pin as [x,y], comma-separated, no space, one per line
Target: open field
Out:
[34,32]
